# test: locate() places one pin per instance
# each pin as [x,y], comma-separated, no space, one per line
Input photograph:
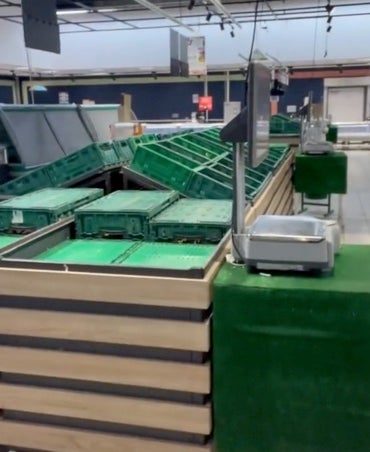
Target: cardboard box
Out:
[124,110]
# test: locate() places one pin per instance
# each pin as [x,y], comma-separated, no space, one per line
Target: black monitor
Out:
[252,125]
[259,111]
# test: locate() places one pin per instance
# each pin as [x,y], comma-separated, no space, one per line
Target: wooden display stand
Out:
[111,363]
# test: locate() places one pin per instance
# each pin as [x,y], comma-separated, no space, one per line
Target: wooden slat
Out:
[264,200]
[53,439]
[107,408]
[151,291]
[107,369]
[109,329]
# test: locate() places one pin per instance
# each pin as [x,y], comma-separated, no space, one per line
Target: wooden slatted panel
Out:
[54,439]
[107,408]
[107,369]
[151,291]
[110,329]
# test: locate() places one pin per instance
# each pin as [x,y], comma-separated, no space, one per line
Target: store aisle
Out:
[356,204]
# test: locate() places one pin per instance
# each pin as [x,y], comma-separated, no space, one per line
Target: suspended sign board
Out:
[40,25]
[197,56]
[187,55]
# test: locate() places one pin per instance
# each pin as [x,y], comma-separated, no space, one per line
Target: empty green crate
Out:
[108,154]
[134,142]
[193,219]
[34,180]
[209,142]
[75,166]
[174,256]
[87,251]
[201,186]
[8,239]
[283,125]
[43,207]
[157,166]
[123,151]
[195,146]
[122,213]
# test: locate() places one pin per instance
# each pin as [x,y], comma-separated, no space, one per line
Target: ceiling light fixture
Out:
[232,34]
[107,10]
[222,25]
[209,16]
[329,19]
[163,13]
[71,12]
[328,29]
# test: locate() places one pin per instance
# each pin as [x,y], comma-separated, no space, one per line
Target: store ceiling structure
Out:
[85,16]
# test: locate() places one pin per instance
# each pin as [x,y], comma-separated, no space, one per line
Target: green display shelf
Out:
[86,251]
[290,359]
[321,175]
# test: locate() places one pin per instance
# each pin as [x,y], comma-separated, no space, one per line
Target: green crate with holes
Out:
[201,220]
[43,207]
[123,214]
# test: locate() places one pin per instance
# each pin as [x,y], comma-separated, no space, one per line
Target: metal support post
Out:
[238,218]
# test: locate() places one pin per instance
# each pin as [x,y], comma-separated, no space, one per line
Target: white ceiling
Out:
[104,15]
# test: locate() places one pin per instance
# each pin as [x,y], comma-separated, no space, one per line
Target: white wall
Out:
[289,41]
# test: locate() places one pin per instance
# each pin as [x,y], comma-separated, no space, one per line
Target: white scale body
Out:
[291,243]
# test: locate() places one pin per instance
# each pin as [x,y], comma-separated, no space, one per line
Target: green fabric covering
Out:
[321,175]
[291,367]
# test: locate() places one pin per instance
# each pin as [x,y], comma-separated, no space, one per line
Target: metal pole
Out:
[206,93]
[227,87]
[238,218]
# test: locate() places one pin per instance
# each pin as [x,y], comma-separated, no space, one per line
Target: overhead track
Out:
[222,10]
[162,12]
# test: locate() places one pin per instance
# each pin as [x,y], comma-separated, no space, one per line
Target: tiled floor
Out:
[356,204]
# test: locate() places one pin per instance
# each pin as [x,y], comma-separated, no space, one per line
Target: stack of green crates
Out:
[43,207]
[122,213]
[201,220]
[199,165]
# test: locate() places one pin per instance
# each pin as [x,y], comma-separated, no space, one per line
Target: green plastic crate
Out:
[193,219]
[108,154]
[34,180]
[176,256]
[8,239]
[157,166]
[207,151]
[43,207]
[87,251]
[201,185]
[283,125]
[75,166]
[123,151]
[122,213]
[134,142]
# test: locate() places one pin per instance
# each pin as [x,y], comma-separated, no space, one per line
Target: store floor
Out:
[356,204]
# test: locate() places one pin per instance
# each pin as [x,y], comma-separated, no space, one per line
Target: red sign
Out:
[205,103]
